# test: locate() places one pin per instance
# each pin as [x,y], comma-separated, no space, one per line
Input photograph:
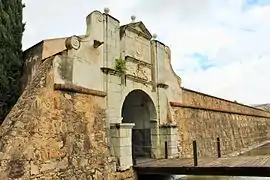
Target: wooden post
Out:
[218,148]
[195,153]
[166,150]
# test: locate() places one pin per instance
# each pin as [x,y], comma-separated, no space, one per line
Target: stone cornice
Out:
[122,125]
[132,27]
[168,126]
[139,62]
[162,85]
[128,76]
[177,104]
[79,89]
[138,79]
[111,71]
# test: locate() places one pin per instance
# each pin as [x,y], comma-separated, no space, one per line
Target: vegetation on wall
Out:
[11,61]
[120,65]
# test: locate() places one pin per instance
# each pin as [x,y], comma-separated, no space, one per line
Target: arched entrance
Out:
[138,108]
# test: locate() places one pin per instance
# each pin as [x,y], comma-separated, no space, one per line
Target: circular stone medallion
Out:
[73,43]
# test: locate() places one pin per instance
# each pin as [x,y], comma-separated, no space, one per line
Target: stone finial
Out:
[154,36]
[106,10]
[133,18]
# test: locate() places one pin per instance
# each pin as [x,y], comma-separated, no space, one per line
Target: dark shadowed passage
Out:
[138,108]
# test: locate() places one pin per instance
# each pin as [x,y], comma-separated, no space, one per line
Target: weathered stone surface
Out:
[60,127]
[34,169]
[235,131]
[48,166]
[190,97]
[64,133]
[126,175]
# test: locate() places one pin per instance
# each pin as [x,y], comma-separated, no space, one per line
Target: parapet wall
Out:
[34,55]
[204,118]
[197,99]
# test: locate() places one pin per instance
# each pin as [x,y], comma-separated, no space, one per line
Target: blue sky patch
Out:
[257,2]
[250,3]
[203,60]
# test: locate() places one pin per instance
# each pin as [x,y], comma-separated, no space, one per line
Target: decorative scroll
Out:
[73,42]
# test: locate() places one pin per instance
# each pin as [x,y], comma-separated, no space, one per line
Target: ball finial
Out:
[133,18]
[154,36]
[106,10]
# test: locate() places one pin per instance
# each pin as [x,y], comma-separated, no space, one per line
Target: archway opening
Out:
[138,108]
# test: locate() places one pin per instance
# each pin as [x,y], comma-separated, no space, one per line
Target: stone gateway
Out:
[93,103]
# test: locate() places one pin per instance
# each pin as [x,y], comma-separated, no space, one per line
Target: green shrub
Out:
[120,65]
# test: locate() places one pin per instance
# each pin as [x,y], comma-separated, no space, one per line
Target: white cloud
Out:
[210,27]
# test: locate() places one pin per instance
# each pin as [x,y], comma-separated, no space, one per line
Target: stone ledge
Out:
[127,76]
[139,79]
[177,104]
[168,125]
[137,61]
[162,85]
[111,71]
[79,89]
[122,125]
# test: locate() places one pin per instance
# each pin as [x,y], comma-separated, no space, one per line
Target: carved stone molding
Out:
[138,79]
[73,42]
[128,76]
[143,34]
[99,18]
[133,27]
[137,61]
[107,70]
[78,89]
[162,85]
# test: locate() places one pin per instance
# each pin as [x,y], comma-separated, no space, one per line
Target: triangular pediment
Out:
[137,27]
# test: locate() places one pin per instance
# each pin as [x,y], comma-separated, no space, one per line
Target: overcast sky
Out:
[220,47]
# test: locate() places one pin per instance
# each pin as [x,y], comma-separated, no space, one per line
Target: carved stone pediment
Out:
[138,28]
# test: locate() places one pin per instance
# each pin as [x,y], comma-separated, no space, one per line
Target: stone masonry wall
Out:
[210,118]
[54,134]
[32,59]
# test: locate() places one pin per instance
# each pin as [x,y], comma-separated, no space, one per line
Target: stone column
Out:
[169,133]
[121,140]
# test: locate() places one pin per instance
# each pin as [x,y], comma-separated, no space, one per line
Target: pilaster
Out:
[121,139]
[169,134]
